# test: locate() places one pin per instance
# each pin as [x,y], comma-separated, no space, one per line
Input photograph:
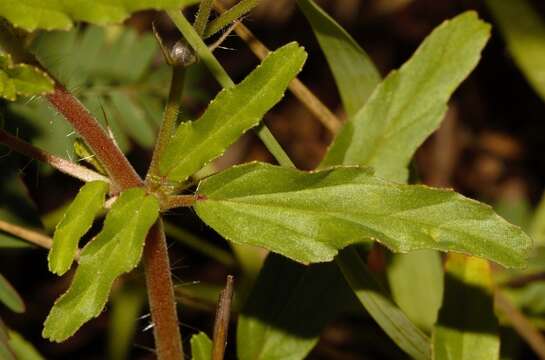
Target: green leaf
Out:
[46,14]
[390,318]
[416,283]
[524,33]
[6,353]
[201,347]
[308,217]
[22,79]
[467,327]
[234,13]
[116,250]
[77,220]
[22,349]
[231,113]
[537,225]
[10,297]
[127,305]
[410,103]
[288,308]
[354,72]
[126,93]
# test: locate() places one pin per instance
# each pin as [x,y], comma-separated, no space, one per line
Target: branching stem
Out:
[63,165]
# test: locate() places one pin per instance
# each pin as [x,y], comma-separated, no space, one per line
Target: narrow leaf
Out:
[354,72]
[77,220]
[389,317]
[127,304]
[233,14]
[46,14]
[22,79]
[22,349]
[308,217]
[234,111]
[467,327]
[6,353]
[116,250]
[416,283]
[288,308]
[10,297]
[524,33]
[411,102]
[201,347]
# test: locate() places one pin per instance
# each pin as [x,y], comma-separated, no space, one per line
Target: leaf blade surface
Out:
[230,114]
[308,217]
[117,249]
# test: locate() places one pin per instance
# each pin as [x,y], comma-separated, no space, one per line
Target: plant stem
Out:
[107,152]
[307,98]
[168,126]
[157,268]
[221,324]
[521,324]
[202,16]
[31,236]
[198,244]
[225,81]
[65,166]
[168,341]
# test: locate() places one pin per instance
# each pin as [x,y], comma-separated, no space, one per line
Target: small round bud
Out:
[181,54]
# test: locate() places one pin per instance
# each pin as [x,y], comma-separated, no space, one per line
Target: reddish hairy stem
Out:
[157,268]
[161,295]
[107,152]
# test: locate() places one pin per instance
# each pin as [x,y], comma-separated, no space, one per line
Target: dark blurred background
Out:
[490,147]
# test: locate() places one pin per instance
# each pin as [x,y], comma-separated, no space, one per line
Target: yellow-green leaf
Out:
[61,14]
[308,217]
[22,79]
[524,33]
[231,113]
[355,74]
[410,103]
[77,220]
[467,328]
[117,249]
[10,297]
[201,347]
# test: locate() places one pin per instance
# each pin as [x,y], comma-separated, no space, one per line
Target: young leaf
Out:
[390,318]
[77,220]
[116,250]
[22,79]
[46,14]
[22,349]
[410,102]
[288,308]
[10,297]
[308,217]
[230,114]
[201,347]
[524,32]
[355,74]
[416,283]
[467,327]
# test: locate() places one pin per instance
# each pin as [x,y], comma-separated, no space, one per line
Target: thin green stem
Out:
[225,80]
[202,16]
[168,126]
[201,245]
[225,19]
